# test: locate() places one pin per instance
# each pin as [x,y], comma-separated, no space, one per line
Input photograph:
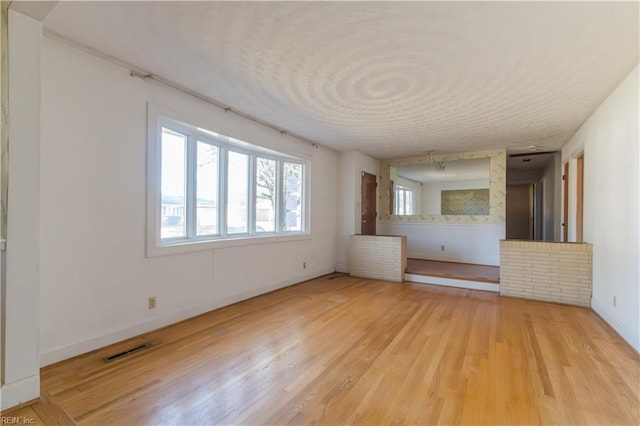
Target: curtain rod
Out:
[144,75]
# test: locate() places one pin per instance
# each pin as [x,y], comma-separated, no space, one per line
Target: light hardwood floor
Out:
[351,350]
[22,416]
[455,270]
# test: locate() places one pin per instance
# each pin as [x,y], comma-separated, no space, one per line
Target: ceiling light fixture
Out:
[440,167]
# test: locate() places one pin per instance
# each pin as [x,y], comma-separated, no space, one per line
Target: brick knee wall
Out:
[555,272]
[378,256]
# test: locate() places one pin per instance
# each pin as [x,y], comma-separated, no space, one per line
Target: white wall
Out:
[351,166]
[464,242]
[21,282]
[432,193]
[609,139]
[95,279]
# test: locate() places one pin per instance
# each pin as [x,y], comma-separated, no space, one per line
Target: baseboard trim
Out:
[450,282]
[616,324]
[23,391]
[78,348]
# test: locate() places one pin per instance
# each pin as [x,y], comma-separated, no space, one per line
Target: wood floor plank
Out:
[357,351]
[22,416]
[51,413]
[463,271]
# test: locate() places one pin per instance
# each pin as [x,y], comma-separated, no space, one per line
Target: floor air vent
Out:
[127,352]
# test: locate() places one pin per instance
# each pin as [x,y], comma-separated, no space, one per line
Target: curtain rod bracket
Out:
[140,75]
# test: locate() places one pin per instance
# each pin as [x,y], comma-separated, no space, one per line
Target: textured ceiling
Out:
[389,79]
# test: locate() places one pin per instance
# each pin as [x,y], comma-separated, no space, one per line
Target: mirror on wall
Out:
[458,187]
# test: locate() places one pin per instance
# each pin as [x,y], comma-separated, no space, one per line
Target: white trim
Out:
[74,349]
[19,392]
[158,117]
[623,330]
[450,282]
[21,280]
[153,184]
[403,189]
[231,241]
[194,120]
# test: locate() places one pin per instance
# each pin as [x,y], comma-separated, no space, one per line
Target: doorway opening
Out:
[580,199]
[368,204]
[533,183]
[573,200]
[520,212]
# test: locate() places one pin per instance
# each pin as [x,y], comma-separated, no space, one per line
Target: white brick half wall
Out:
[378,256]
[554,272]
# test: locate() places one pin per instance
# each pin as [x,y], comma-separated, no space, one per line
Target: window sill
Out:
[193,246]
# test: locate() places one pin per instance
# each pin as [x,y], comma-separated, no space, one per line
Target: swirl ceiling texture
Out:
[389,79]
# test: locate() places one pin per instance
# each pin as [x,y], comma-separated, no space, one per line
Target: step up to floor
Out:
[51,413]
[453,274]
[452,282]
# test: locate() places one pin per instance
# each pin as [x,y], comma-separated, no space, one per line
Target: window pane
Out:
[207,188]
[404,201]
[265,195]
[399,201]
[238,194]
[292,183]
[172,186]
[409,202]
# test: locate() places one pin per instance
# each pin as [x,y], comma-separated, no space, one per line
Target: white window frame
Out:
[405,190]
[158,118]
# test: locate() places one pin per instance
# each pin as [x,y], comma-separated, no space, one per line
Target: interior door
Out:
[520,212]
[368,204]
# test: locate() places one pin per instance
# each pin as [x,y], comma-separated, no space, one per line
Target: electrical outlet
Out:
[304,265]
[615,301]
[442,247]
[152,302]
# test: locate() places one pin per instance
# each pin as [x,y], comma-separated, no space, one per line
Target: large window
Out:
[206,187]
[404,201]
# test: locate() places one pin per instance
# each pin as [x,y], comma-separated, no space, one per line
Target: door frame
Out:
[565,202]
[580,199]
[374,178]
